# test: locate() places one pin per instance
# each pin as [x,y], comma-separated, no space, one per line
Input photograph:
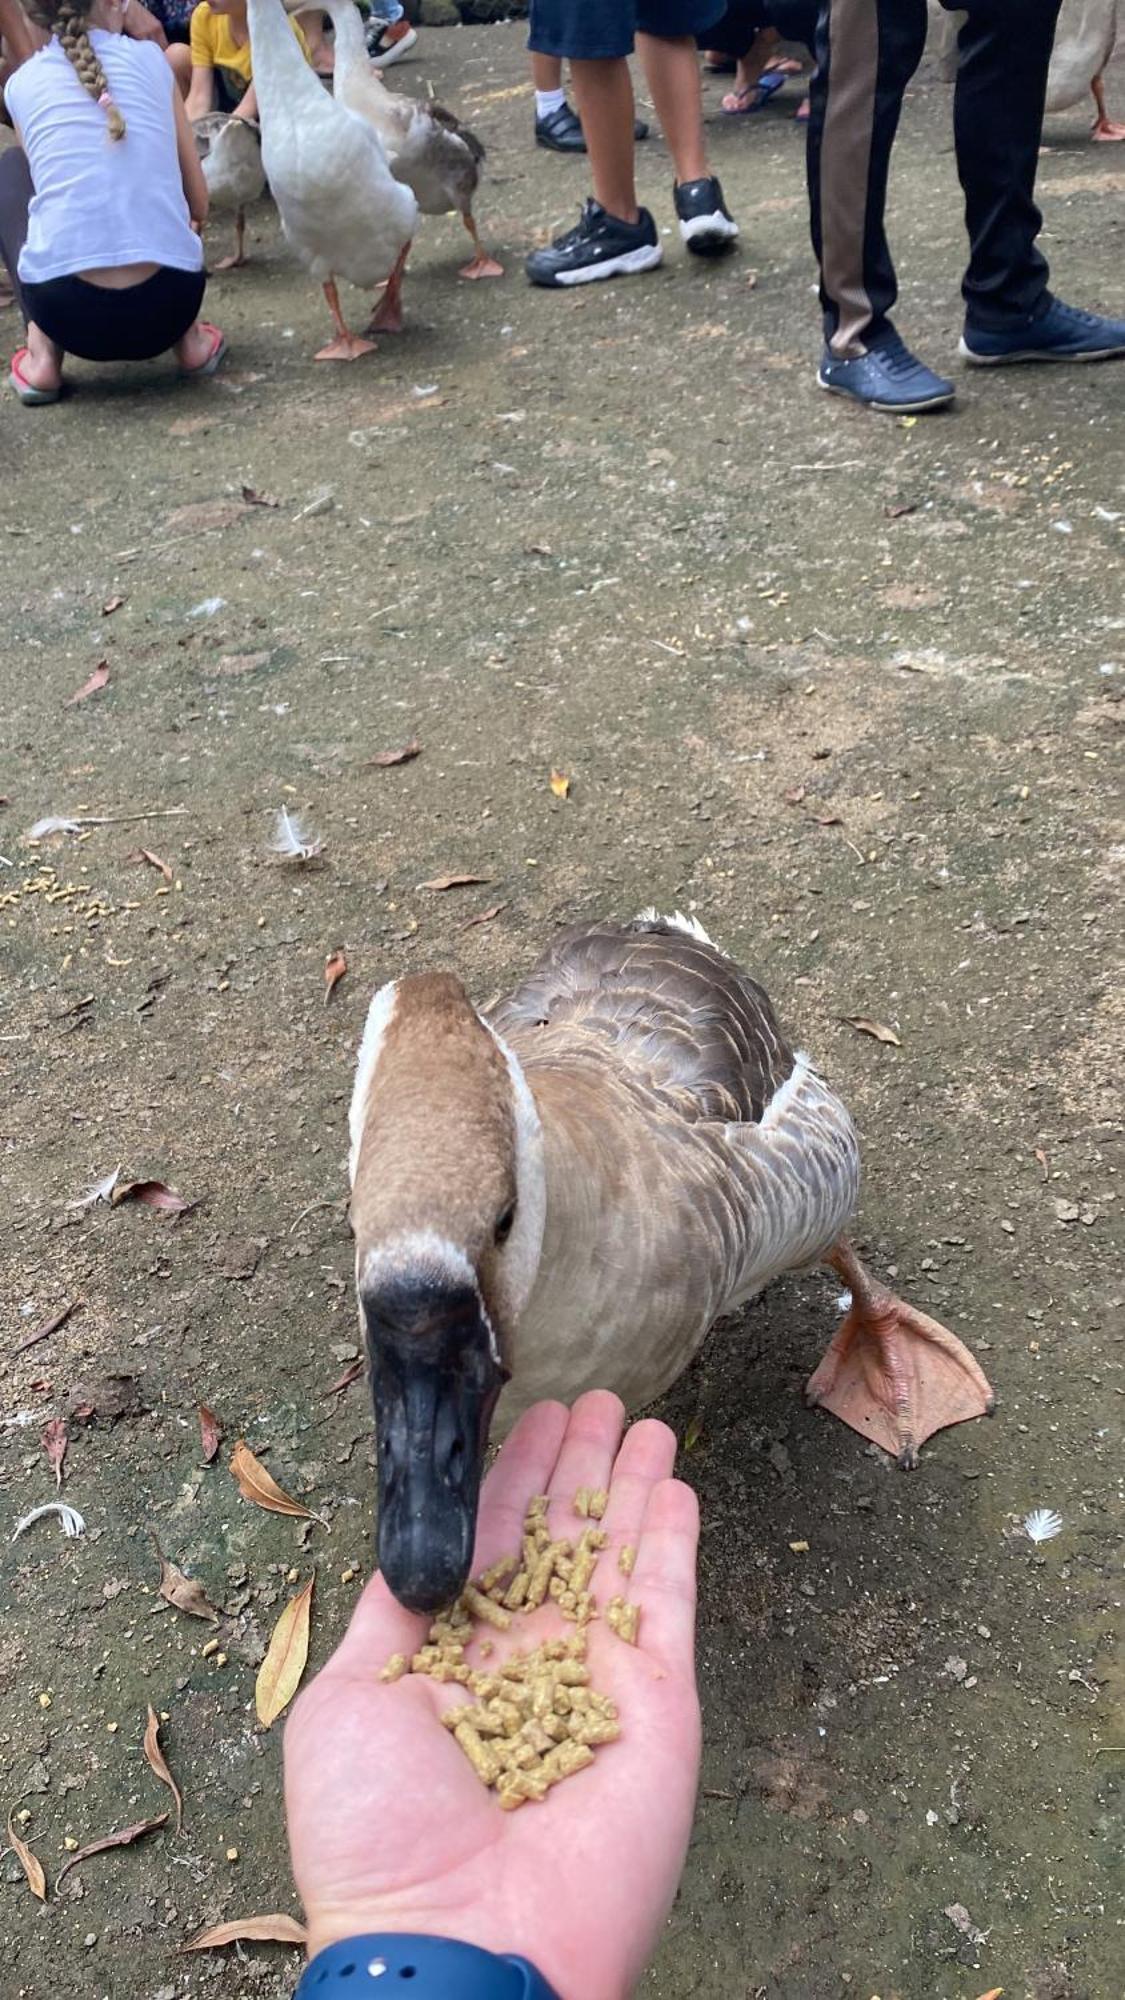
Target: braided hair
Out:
[69,23]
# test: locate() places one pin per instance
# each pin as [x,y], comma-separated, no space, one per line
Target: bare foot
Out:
[43,366]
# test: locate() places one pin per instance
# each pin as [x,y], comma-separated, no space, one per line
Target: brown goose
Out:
[563,1194]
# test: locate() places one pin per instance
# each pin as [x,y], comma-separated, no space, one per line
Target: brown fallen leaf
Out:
[994,1993]
[124,1838]
[55,1441]
[154,1194]
[484,916]
[440,882]
[258,1485]
[560,784]
[878,1029]
[183,1591]
[335,966]
[98,679]
[895,512]
[210,1434]
[154,861]
[111,605]
[279,1675]
[827,819]
[274,1929]
[1039,1154]
[154,1756]
[29,1862]
[795,797]
[107,1397]
[351,1374]
[384,759]
[49,1326]
[255,499]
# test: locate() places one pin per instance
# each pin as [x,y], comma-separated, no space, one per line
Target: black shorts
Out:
[98,324]
[593,30]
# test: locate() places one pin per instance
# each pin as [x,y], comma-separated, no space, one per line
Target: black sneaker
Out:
[602,246]
[706,223]
[561,131]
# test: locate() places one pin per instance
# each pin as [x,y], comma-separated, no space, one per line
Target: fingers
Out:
[664,1576]
[646,1457]
[379,1626]
[586,1457]
[524,1466]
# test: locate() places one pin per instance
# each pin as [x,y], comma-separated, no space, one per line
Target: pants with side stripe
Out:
[867,51]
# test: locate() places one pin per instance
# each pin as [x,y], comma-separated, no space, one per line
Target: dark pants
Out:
[91,321]
[867,51]
[795,20]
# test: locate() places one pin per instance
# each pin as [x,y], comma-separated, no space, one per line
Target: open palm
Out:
[389,1826]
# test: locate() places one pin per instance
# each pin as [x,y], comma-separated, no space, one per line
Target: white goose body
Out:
[342,210]
[564,1193]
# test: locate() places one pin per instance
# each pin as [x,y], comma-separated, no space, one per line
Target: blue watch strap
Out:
[399,1964]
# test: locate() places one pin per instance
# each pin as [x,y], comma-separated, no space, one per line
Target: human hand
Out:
[390,1829]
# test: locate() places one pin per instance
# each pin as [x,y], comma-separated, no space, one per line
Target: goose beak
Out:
[435,1379]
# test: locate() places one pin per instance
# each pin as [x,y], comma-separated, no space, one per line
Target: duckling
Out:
[231,152]
[341,208]
[429,150]
[566,1191]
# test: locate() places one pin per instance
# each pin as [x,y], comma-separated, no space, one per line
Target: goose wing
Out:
[675,1012]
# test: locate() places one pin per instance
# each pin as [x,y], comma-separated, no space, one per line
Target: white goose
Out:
[429,150]
[231,152]
[341,208]
[565,1193]
[1084,42]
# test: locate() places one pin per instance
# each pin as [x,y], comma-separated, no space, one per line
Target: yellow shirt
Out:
[213,45]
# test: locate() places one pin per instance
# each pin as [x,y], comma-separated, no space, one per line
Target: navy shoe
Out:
[1062,333]
[561,131]
[602,246]
[706,223]
[888,377]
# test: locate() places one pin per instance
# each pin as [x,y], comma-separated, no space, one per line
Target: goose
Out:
[1084,42]
[341,208]
[565,1191]
[434,155]
[231,152]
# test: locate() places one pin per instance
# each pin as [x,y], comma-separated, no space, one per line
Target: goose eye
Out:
[504,1226]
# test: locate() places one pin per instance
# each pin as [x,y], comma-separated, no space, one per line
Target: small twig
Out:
[308,1211]
[51,1325]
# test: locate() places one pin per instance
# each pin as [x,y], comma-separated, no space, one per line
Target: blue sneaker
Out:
[1062,333]
[887,377]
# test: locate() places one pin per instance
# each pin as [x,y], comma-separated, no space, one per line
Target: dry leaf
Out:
[693,1433]
[453,881]
[351,1374]
[154,1194]
[31,1865]
[49,1326]
[97,680]
[828,819]
[258,1485]
[384,759]
[335,966]
[795,797]
[878,1029]
[279,1675]
[210,1434]
[55,1442]
[560,784]
[484,916]
[125,1838]
[154,861]
[895,513]
[183,1591]
[155,1758]
[111,605]
[1039,1154]
[275,1929]
[994,1993]
[256,499]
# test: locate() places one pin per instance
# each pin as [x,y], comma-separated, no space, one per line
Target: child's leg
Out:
[546,72]
[672,72]
[603,92]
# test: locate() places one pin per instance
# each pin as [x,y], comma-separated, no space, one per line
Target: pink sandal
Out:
[216,355]
[25,390]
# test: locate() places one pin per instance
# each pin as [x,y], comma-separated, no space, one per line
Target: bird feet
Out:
[1107,129]
[234,262]
[481,266]
[346,347]
[892,1373]
[387,317]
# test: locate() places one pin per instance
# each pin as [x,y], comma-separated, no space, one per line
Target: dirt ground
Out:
[845,687]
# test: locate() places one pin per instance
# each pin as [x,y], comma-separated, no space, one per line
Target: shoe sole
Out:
[552,146]
[709,235]
[1035,354]
[940,402]
[397,52]
[630,264]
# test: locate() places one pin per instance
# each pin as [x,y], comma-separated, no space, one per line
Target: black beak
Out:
[435,1380]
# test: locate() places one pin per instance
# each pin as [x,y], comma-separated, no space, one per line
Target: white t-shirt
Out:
[97,202]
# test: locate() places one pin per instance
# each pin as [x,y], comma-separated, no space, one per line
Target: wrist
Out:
[439,1968]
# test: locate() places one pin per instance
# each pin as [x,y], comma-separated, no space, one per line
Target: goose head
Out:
[448,1201]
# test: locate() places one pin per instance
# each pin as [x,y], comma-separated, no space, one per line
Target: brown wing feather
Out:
[441,116]
[681,1015]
